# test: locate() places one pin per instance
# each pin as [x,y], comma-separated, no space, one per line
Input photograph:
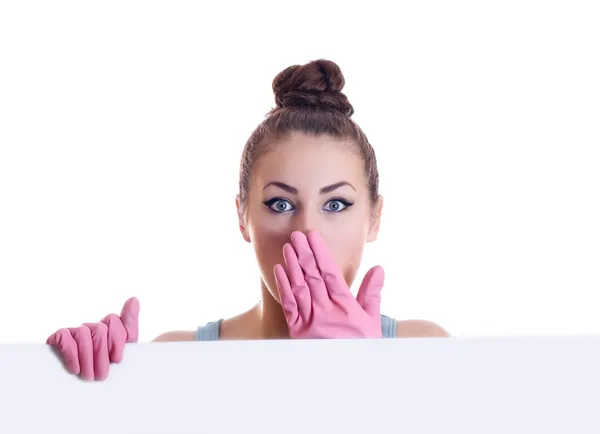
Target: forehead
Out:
[308,160]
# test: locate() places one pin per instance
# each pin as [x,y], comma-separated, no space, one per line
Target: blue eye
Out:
[279,205]
[337,205]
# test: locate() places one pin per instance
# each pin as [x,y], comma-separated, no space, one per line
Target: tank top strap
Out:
[209,332]
[388,326]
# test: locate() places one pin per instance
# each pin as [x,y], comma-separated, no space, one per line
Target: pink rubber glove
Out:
[316,300]
[88,350]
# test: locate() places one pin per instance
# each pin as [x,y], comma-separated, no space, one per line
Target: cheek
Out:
[268,244]
[347,237]
[347,247]
[268,237]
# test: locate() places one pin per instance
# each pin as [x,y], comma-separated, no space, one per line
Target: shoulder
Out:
[417,328]
[238,327]
[176,336]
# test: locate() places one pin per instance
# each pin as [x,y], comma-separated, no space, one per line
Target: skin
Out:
[305,183]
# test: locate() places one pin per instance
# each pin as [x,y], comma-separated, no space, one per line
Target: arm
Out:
[419,329]
[175,336]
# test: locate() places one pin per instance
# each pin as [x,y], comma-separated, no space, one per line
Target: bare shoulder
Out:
[418,328]
[176,336]
[240,326]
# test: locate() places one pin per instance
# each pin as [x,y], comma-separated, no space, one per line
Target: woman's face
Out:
[309,183]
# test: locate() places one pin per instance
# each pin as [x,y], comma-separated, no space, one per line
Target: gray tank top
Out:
[210,331]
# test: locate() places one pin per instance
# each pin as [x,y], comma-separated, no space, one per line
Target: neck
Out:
[272,321]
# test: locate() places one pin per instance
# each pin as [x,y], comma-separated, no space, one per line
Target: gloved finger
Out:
[330,270]
[130,317]
[298,284]
[286,296]
[85,350]
[369,293]
[117,336]
[312,274]
[99,334]
[64,342]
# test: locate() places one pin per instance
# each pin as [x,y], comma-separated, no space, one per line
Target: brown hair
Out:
[309,99]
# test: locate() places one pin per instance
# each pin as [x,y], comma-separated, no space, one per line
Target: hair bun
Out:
[316,84]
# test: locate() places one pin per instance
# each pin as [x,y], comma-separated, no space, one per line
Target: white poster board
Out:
[433,386]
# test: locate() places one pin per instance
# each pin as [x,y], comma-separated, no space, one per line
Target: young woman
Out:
[308,202]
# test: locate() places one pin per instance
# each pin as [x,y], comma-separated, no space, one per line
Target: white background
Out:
[122,125]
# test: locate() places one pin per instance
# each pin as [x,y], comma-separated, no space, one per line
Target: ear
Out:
[241,220]
[375,221]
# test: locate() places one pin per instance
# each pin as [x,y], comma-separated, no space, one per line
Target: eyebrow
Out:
[324,190]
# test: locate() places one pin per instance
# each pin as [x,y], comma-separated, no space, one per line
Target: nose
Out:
[306,220]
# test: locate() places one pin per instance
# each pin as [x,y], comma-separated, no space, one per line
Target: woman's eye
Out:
[336,205]
[280,205]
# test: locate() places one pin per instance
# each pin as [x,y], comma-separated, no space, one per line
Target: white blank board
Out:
[433,386]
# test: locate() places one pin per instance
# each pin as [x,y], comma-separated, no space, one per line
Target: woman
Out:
[308,184]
